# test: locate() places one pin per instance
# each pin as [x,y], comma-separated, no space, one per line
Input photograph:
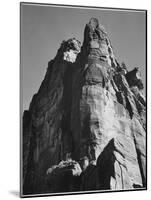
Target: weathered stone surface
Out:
[134,79]
[89,178]
[50,115]
[118,166]
[70,49]
[26,139]
[64,177]
[87,109]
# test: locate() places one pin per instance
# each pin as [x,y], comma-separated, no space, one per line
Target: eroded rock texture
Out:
[85,127]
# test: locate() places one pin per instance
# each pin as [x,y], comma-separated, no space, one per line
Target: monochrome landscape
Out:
[85,127]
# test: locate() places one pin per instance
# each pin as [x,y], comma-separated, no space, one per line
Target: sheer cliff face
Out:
[85,128]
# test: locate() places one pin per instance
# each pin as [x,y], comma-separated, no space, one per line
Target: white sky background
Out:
[44,27]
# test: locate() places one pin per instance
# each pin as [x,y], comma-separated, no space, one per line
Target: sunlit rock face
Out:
[86,125]
[71,49]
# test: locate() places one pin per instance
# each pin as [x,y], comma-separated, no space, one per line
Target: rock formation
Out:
[85,128]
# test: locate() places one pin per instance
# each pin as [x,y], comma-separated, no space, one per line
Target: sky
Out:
[43,28]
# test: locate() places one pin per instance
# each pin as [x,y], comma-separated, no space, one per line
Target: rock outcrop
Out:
[86,126]
[64,177]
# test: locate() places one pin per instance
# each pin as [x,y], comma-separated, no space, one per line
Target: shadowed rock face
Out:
[133,78]
[64,177]
[86,124]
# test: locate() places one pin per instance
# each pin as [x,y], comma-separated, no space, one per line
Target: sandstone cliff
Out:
[85,127]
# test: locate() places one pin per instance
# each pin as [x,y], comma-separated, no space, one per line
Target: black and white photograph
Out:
[82,99]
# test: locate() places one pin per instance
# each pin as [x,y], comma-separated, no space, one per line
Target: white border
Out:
[9,101]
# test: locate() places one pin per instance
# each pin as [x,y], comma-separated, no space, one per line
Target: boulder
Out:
[64,177]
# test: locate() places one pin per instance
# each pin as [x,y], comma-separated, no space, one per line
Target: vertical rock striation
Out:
[85,128]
